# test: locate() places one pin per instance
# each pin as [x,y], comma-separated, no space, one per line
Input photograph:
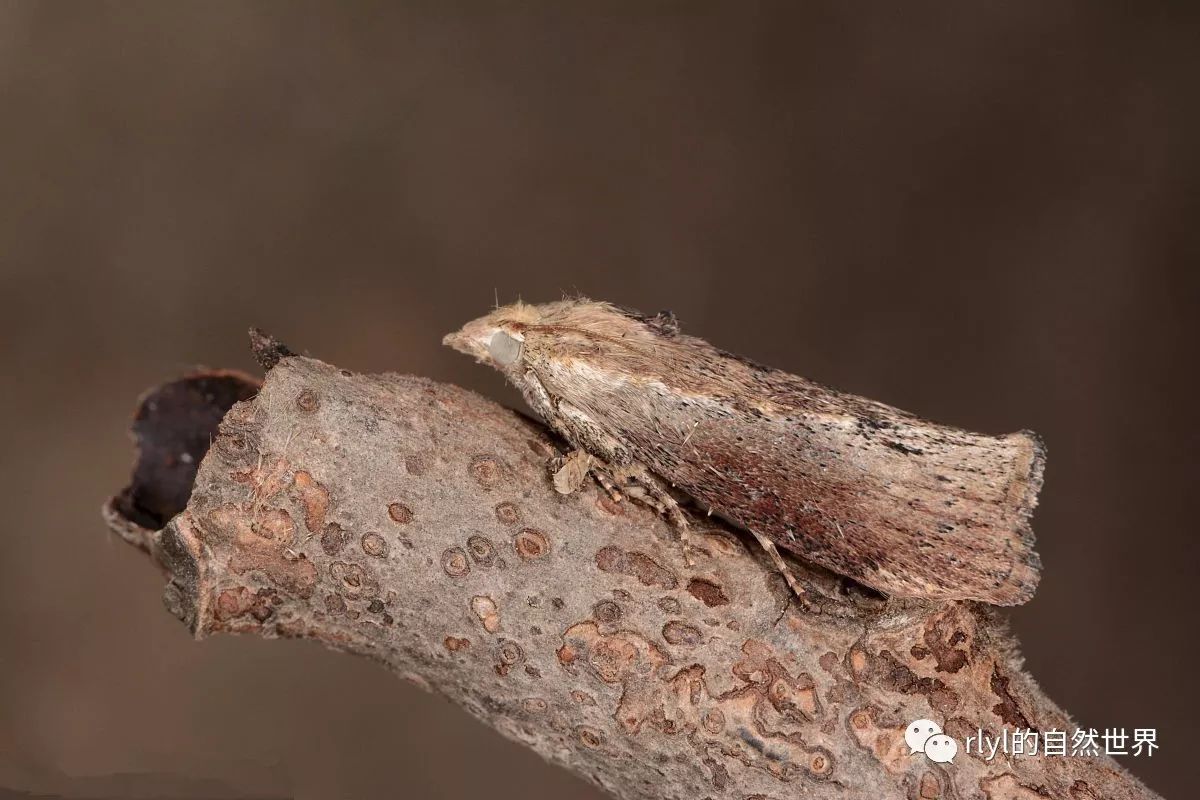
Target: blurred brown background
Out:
[982,212]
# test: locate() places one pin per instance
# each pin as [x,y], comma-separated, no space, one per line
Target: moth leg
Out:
[578,429]
[611,460]
[779,563]
[568,473]
[649,490]
[616,460]
[607,482]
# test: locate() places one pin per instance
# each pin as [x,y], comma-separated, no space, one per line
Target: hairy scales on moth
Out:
[903,505]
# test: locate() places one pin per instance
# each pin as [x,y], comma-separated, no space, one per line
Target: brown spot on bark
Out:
[820,764]
[486,470]
[307,401]
[454,644]
[609,506]
[485,609]
[374,545]
[1007,709]
[882,738]
[455,563]
[507,513]
[793,695]
[228,604]
[533,705]
[583,698]
[589,737]
[635,565]
[707,592]
[267,479]
[680,633]
[276,525]
[828,661]
[531,544]
[335,604]
[719,775]
[261,610]
[606,612]
[416,464]
[508,655]
[942,636]
[944,700]
[314,498]
[860,663]
[612,657]
[353,580]
[400,513]
[291,572]
[296,577]
[333,539]
[669,604]
[931,788]
[713,720]
[481,550]
[895,676]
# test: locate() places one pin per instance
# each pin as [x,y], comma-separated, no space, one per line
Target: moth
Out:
[905,506]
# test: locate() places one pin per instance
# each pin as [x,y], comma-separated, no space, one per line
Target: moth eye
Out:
[504,349]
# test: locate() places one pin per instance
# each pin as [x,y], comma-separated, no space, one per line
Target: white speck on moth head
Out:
[504,349]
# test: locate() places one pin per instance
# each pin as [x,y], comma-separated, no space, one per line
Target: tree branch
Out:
[414,523]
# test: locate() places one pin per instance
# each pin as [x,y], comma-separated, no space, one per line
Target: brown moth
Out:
[903,505]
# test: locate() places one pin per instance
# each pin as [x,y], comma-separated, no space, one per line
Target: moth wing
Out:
[903,505]
[920,510]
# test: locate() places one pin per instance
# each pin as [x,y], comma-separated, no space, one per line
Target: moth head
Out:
[510,337]
[496,339]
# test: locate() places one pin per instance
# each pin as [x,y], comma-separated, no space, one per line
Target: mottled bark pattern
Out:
[415,523]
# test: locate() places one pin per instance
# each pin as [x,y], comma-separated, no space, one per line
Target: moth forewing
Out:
[903,505]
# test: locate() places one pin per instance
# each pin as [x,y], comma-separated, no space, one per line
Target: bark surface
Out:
[415,523]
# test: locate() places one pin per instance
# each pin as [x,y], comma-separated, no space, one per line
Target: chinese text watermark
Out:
[926,736]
